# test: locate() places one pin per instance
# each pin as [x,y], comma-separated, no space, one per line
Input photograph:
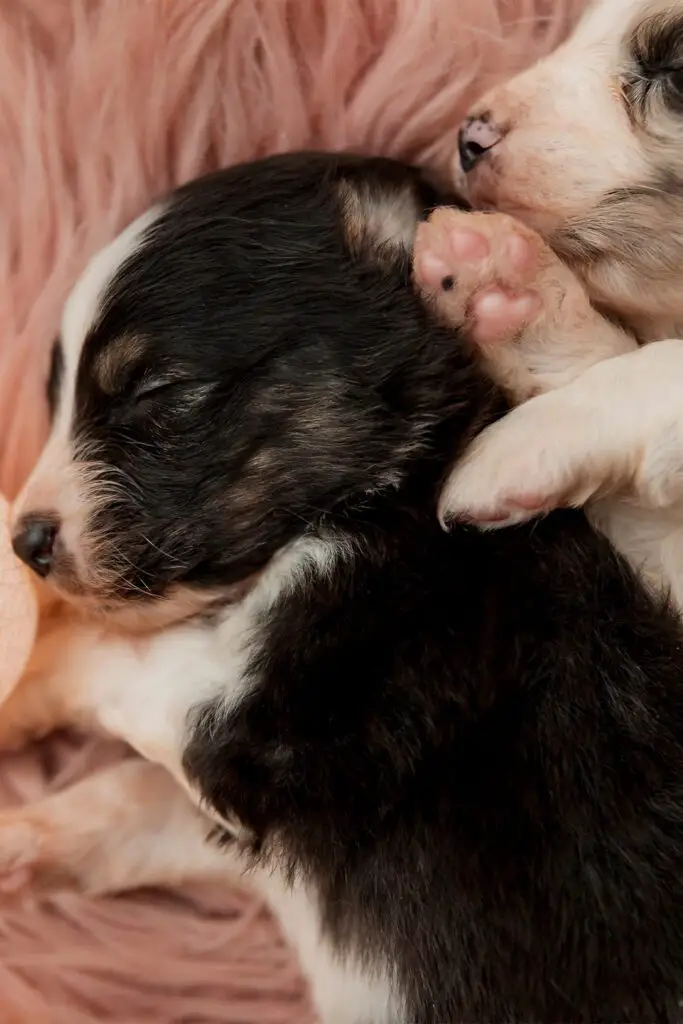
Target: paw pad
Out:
[477,275]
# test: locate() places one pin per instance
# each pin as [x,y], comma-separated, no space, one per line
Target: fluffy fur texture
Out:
[462,751]
[102,106]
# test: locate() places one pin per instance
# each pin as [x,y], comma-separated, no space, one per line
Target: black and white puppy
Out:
[452,762]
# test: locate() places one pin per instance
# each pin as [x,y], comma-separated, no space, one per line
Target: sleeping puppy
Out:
[450,762]
[585,148]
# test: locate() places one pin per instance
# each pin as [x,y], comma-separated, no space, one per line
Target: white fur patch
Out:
[57,484]
[143,690]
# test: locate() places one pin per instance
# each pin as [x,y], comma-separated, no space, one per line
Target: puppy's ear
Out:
[380,218]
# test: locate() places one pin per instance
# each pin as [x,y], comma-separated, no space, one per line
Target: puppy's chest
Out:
[249,759]
[322,728]
[302,747]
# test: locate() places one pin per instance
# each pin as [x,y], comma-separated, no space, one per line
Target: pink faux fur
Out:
[103,105]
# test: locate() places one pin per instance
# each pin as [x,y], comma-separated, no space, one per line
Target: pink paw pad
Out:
[520,254]
[433,271]
[437,264]
[468,246]
[497,313]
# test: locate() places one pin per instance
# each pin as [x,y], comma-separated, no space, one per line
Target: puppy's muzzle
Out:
[34,543]
[476,138]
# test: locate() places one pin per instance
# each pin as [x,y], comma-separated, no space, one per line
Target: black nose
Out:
[34,543]
[476,137]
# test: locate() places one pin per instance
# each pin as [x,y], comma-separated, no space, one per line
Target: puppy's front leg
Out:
[139,689]
[525,312]
[616,428]
[120,829]
[133,825]
[602,416]
[38,704]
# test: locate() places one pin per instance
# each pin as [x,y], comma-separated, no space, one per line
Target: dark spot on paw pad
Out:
[447,283]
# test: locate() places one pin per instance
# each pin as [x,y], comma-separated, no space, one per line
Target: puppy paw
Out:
[532,461]
[480,271]
[499,283]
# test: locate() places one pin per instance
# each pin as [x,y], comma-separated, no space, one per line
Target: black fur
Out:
[656,44]
[656,50]
[55,376]
[247,287]
[472,744]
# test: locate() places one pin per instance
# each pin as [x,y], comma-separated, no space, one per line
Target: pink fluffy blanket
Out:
[103,105]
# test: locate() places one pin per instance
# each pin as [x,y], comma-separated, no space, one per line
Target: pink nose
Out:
[476,137]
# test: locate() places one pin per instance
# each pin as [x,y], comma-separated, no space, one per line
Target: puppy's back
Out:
[475,755]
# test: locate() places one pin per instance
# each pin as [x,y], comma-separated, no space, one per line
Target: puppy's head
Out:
[587,147]
[240,362]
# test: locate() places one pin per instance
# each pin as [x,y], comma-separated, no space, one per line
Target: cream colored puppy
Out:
[586,149]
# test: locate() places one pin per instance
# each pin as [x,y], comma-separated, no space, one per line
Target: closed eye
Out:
[144,396]
[154,388]
[656,52]
[149,395]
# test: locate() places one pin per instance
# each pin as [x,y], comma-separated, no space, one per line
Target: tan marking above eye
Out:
[110,364]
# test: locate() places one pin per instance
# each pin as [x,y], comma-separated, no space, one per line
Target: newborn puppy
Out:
[585,147]
[451,762]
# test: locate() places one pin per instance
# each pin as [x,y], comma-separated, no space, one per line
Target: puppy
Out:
[451,762]
[585,148]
